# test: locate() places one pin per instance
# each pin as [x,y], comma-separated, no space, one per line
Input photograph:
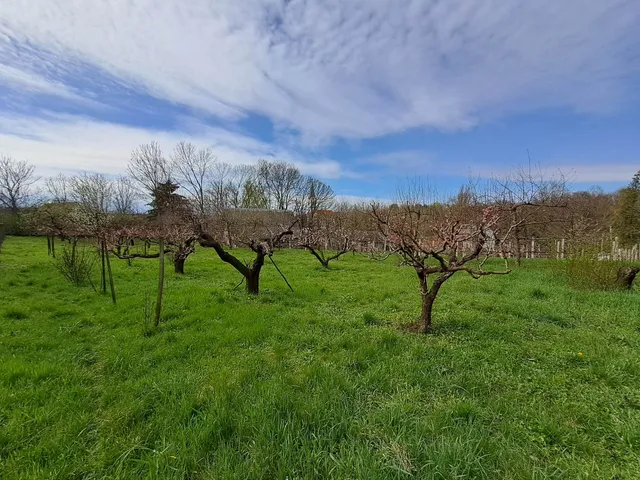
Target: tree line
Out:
[194,200]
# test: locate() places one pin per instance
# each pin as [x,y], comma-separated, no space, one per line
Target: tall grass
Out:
[524,376]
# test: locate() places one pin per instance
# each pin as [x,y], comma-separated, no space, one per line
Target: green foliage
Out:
[164,199]
[627,217]
[635,182]
[254,195]
[585,269]
[315,384]
[14,224]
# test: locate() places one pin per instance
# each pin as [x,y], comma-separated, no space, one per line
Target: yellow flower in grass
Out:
[580,355]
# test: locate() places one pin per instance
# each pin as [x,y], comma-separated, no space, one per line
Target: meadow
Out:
[523,377]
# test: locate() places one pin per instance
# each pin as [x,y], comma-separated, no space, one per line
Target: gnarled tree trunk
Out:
[253,282]
[429,296]
[178,264]
[251,275]
[626,276]
[261,249]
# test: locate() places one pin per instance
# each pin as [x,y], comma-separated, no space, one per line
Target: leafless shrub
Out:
[76,265]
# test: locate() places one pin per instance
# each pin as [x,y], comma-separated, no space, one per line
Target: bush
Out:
[76,265]
[588,269]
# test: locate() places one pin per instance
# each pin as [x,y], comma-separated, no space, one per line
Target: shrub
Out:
[587,268]
[76,265]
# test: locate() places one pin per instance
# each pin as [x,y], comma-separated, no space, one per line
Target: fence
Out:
[532,248]
[618,253]
[559,249]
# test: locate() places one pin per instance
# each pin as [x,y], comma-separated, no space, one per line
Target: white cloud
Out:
[350,68]
[34,83]
[596,174]
[57,143]
[572,172]
[402,162]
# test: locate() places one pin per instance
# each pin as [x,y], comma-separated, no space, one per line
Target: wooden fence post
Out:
[533,247]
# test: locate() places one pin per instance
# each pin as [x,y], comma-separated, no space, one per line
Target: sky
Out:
[359,93]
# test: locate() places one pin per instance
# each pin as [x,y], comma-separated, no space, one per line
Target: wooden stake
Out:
[113,287]
[160,285]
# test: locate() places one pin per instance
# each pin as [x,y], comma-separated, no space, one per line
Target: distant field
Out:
[319,383]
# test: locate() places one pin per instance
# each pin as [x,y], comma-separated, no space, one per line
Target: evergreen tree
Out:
[635,182]
[627,219]
[164,199]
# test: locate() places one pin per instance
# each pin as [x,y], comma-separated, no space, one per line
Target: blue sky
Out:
[360,93]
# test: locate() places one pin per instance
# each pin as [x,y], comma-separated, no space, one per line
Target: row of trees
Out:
[214,186]
[194,199]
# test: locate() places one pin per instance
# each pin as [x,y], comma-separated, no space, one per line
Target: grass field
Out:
[523,377]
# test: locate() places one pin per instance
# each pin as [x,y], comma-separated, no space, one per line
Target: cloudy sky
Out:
[358,92]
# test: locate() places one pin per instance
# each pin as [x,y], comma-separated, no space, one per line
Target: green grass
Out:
[319,383]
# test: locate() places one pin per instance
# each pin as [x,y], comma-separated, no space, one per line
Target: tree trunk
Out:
[626,276]
[427,302]
[429,296]
[253,282]
[320,256]
[178,265]
[427,308]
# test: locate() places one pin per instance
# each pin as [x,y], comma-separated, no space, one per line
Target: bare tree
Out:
[314,195]
[437,239]
[58,188]
[194,171]
[170,222]
[56,219]
[527,195]
[93,192]
[124,195]
[328,235]
[261,232]
[233,188]
[16,179]
[148,167]
[94,195]
[282,183]
[176,222]
[224,189]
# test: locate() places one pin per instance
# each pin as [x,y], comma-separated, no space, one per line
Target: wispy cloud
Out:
[55,143]
[401,162]
[337,68]
[573,173]
[34,83]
